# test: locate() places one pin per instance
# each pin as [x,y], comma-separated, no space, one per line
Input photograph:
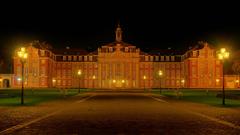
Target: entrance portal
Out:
[6,83]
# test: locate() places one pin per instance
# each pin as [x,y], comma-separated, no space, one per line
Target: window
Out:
[167,58]
[151,58]
[42,53]
[90,58]
[126,49]
[194,71]
[172,58]
[146,58]
[75,58]
[64,58]
[43,71]
[80,58]
[43,61]
[194,53]
[85,58]
[157,58]
[110,49]
[69,58]
[162,58]
[167,65]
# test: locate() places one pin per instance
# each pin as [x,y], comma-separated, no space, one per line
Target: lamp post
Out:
[79,73]
[160,75]
[217,82]
[183,82]
[144,77]
[94,77]
[237,83]
[223,54]
[114,83]
[22,54]
[123,83]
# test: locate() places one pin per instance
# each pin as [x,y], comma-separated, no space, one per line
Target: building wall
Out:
[120,66]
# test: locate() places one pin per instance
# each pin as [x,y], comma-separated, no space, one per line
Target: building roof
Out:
[166,52]
[112,44]
[70,51]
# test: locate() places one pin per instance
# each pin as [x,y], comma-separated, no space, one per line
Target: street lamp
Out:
[22,54]
[160,75]
[114,83]
[144,77]
[237,83]
[79,73]
[94,77]
[217,81]
[182,81]
[223,54]
[53,82]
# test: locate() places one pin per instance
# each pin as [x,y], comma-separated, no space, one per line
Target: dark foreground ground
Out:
[125,113]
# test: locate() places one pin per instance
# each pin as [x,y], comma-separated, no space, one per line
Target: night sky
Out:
[147,25]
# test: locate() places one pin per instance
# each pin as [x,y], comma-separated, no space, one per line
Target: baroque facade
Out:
[118,65]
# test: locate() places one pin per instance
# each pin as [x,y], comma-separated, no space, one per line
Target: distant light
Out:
[114,81]
[23,49]
[160,73]
[123,81]
[223,54]
[183,81]
[79,72]
[237,81]
[223,50]
[217,80]
[19,79]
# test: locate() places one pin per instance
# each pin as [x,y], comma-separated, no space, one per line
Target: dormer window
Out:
[90,58]
[64,58]
[162,58]
[167,58]
[110,49]
[42,53]
[146,58]
[126,49]
[69,58]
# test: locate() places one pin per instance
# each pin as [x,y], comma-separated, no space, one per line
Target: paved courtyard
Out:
[120,113]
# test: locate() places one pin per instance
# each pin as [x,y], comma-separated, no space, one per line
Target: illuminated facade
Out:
[119,65]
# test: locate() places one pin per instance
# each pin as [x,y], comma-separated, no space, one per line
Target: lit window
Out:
[64,58]
[151,58]
[146,58]
[162,58]
[75,58]
[69,58]
[43,61]
[80,58]
[126,49]
[85,58]
[42,53]
[90,58]
[167,58]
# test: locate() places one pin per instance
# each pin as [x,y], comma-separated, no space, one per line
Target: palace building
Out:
[118,65]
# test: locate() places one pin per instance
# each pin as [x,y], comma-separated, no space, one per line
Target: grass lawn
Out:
[12,97]
[201,96]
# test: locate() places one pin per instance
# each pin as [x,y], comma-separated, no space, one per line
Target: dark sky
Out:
[147,25]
